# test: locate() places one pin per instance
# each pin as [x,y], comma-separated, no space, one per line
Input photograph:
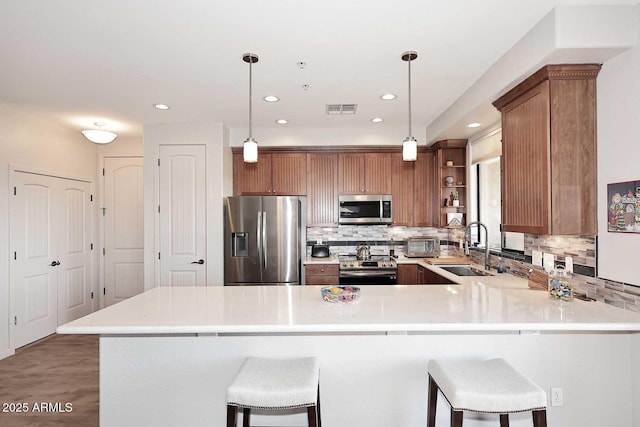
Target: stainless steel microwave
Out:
[365,209]
[422,247]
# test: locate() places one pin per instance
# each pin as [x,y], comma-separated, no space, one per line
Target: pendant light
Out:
[409,145]
[250,147]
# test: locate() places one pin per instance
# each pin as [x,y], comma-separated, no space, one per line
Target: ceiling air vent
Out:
[341,108]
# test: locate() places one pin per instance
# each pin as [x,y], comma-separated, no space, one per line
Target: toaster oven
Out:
[422,247]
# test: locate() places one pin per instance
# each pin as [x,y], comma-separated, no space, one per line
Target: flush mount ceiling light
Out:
[388,97]
[473,125]
[99,136]
[282,121]
[271,98]
[409,145]
[161,106]
[377,120]
[250,146]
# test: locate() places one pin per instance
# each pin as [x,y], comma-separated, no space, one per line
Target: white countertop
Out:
[327,260]
[501,303]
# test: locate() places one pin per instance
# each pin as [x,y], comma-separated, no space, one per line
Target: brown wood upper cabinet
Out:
[402,190]
[322,189]
[364,173]
[549,152]
[282,174]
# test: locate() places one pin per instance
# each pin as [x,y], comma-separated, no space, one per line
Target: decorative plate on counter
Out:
[340,293]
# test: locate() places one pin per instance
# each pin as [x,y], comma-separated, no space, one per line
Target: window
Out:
[486,194]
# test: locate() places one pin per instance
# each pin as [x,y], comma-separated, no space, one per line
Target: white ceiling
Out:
[81,61]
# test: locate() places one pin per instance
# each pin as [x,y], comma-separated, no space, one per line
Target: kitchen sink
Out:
[465,270]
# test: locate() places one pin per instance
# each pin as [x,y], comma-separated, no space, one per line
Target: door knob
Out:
[200,261]
[54,263]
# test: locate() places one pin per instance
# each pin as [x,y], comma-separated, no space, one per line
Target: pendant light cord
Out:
[250,94]
[409,61]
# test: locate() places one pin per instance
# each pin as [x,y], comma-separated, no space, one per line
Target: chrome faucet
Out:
[467,232]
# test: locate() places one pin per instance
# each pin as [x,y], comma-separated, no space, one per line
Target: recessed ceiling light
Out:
[377,119]
[473,125]
[161,106]
[282,121]
[388,97]
[271,98]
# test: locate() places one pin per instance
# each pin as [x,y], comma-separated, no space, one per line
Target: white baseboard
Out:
[6,353]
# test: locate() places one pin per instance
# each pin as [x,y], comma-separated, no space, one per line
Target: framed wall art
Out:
[623,207]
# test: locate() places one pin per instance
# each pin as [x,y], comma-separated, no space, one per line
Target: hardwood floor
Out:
[57,379]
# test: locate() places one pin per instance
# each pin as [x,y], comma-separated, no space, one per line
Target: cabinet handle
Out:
[322,270]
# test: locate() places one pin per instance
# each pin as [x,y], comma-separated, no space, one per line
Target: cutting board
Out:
[538,280]
[448,260]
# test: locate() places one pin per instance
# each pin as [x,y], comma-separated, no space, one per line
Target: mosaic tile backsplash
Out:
[343,240]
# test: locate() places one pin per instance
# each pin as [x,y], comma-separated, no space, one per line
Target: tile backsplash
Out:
[343,240]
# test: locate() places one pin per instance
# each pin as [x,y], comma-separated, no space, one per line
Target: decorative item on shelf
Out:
[449,161]
[451,198]
[559,285]
[250,146]
[456,199]
[448,180]
[454,219]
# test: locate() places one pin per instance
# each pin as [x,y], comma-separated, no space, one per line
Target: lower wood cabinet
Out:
[322,274]
[414,274]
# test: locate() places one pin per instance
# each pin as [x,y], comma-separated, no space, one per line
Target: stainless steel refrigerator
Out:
[265,240]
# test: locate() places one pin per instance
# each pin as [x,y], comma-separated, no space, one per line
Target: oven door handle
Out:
[387,273]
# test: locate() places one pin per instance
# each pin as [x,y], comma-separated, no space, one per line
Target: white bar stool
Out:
[275,384]
[487,386]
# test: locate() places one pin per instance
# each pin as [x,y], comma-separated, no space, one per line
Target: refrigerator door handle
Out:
[264,240]
[259,237]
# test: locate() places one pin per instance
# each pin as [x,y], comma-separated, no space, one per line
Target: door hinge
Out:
[104,210]
[15,255]
[158,255]
[15,320]
[102,171]
[92,246]
[91,198]
[158,208]
[104,252]
[15,191]
[158,162]
[104,291]
[91,295]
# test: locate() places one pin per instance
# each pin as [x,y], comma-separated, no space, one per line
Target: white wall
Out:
[618,158]
[213,136]
[35,143]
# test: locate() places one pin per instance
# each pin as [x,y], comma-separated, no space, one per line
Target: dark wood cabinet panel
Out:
[425,196]
[322,189]
[351,173]
[407,274]
[289,174]
[322,274]
[549,152]
[377,167]
[251,178]
[432,278]
[402,190]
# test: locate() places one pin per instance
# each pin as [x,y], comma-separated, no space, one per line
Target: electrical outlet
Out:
[548,261]
[319,241]
[556,397]
[568,264]
[536,258]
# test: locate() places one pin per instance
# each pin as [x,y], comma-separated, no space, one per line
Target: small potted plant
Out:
[449,161]
[456,199]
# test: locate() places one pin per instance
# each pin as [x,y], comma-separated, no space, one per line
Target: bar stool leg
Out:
[456,418]
[318,406]
[540,418]
[246,416]
[232,413]
[433,400]
[312,416]
[504,420]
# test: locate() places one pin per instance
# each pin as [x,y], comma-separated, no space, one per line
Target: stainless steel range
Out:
[375,270]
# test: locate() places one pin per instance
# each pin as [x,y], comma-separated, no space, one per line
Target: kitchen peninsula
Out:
[167,355]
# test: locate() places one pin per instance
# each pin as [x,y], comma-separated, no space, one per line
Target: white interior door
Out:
[34,269]
[123,228]
[182,215]
[74,250]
